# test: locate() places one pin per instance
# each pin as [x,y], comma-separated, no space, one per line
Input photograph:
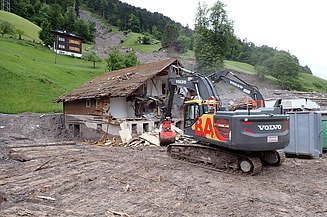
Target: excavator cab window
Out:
[210,106]
[191,114]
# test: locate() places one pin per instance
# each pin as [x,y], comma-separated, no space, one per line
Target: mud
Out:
[32,127]
[84,180]
[42,174]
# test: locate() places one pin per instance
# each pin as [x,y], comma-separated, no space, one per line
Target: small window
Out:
[75,49]
[97,102]
[99,126]
[88,102]
[61,46]
[61,39]
[77,130]
[145,127]
[163,90]
[72,41]
[134,129]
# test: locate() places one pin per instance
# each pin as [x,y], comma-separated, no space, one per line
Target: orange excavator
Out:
[240,140]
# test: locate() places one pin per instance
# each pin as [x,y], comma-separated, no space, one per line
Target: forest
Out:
[54,14]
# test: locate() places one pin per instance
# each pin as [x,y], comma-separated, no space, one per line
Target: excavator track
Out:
[276,157]
[215,158]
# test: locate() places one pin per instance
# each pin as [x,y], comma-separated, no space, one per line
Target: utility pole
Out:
[5,5]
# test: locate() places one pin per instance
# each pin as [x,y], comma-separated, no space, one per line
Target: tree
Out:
[307,70]
[116,60]
[45,34]
[134,23]
[184,43]
[20,33]
[285,68]
[92,56]
[145,39]
[213,32]
[261,72]
[157,34]
[170,36]
[56,18]
[69,20]
[6,28]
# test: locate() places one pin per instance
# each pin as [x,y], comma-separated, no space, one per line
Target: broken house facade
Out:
[132,96]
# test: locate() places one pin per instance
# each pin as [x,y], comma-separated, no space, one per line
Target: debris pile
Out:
[127,140]
[146,139]
[320,98]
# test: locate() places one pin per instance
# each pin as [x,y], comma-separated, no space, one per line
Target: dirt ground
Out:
[43,174]
[40,177]
[85,180]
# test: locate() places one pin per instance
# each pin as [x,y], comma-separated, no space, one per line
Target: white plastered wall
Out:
[154,86]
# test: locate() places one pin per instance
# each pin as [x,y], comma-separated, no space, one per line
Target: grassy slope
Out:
[313,83]
[310,82]
[31,31]
[131,42]
[30,80]
[239,66]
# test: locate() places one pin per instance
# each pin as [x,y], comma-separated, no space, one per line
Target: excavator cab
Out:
[197,109]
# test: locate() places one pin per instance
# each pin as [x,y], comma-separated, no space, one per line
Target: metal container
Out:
[324,129]
[305,134]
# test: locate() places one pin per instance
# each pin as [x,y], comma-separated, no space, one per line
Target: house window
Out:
[61,46]
[88,102]
[146,127]
[97,102]
[163,90]
[75,49]
[134,129]
[76,130]
[72,41]
[61,39]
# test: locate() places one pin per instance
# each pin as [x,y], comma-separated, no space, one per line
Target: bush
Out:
[184,43]
[20,33]
[146,40]
[261,71]
[116,60]
[92,56]
[6,28]
[290,83]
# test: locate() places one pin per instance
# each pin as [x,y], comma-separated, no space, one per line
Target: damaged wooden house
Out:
[132,96]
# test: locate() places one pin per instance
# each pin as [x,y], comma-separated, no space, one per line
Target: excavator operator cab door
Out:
[191,115]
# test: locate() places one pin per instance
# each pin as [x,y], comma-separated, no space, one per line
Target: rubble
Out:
[153,139]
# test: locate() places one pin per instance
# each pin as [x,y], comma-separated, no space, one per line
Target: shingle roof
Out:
[117,83]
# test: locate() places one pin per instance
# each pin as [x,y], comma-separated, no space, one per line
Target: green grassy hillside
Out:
[309,82]
[313,83]
[30,79]
[131,42]
[31,31]
[240,67]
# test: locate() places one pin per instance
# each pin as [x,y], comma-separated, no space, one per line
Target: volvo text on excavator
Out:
[239,140]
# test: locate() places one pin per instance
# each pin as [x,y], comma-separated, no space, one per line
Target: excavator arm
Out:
[192,81]
[251,90]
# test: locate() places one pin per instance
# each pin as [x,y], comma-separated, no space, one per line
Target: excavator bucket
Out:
[166,135]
